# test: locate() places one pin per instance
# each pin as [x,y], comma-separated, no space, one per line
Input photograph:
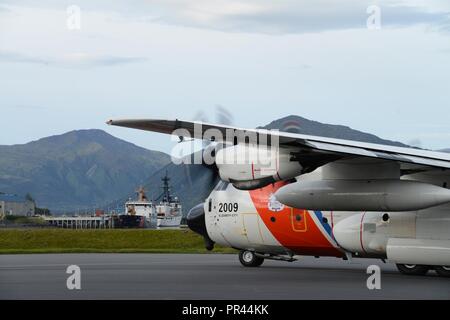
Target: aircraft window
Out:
[324,220]
[209,205]
[445,185]
[298,217]
[272,219]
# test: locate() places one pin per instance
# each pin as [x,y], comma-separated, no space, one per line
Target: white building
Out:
[12,204]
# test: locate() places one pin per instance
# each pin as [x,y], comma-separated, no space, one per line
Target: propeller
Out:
[209,177]
[210,173]
[207,152]
[196,222]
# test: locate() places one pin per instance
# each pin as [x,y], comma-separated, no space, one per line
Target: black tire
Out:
[250,259]
[443,271]
[413,269]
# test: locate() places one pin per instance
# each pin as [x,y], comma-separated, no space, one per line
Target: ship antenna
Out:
[166,188]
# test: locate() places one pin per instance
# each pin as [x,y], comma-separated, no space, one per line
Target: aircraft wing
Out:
[410,158]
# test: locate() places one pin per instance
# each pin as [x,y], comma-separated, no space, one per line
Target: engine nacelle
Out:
[397,236]
[362,195]
[367,234]
[250,167]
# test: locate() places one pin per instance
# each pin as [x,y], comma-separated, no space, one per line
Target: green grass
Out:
[24,220]
[113,240]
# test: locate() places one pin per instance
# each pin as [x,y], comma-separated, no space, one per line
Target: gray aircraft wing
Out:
[410,158]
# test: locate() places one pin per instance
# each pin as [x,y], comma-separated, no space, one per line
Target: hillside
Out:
[297,124]
[76,169]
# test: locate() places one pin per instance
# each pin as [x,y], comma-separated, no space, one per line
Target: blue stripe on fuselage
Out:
[325,225]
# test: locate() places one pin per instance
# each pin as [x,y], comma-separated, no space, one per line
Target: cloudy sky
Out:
[259,59]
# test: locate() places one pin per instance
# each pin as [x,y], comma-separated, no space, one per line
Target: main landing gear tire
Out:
[443,271]
[413,269]
[250,259]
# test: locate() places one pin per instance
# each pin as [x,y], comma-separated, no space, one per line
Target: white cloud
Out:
[296,16]
[273,17]
[338,72]
[69,60]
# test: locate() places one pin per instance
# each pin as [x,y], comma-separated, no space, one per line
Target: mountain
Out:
[445,150]
[297,124]
[90,168]
[76,169]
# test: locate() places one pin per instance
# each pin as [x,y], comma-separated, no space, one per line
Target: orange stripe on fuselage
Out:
[301,235]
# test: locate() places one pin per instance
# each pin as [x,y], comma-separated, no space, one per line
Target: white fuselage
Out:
[255,221]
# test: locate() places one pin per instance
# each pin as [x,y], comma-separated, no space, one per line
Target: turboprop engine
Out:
[250,167]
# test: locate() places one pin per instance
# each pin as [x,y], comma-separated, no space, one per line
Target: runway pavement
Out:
[205,276]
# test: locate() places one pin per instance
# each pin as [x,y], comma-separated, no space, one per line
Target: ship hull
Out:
[129,221]
[168,222]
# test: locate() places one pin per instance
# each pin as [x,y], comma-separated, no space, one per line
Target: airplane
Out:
[319,196]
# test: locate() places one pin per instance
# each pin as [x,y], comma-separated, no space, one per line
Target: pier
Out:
[103,222]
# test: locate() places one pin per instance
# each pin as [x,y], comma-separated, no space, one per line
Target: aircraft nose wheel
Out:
[250,259]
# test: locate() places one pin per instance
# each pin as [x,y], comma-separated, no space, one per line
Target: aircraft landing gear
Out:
[443,271]
[413,269]
[250,259]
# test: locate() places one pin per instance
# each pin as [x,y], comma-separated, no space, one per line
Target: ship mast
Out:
[166,188]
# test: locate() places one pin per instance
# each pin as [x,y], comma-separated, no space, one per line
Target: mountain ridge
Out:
[90,168]
[76,169]
[298,124]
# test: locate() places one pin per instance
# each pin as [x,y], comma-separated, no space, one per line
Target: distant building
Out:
[12,204]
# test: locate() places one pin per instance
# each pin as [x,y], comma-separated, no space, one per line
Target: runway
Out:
[206,276]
